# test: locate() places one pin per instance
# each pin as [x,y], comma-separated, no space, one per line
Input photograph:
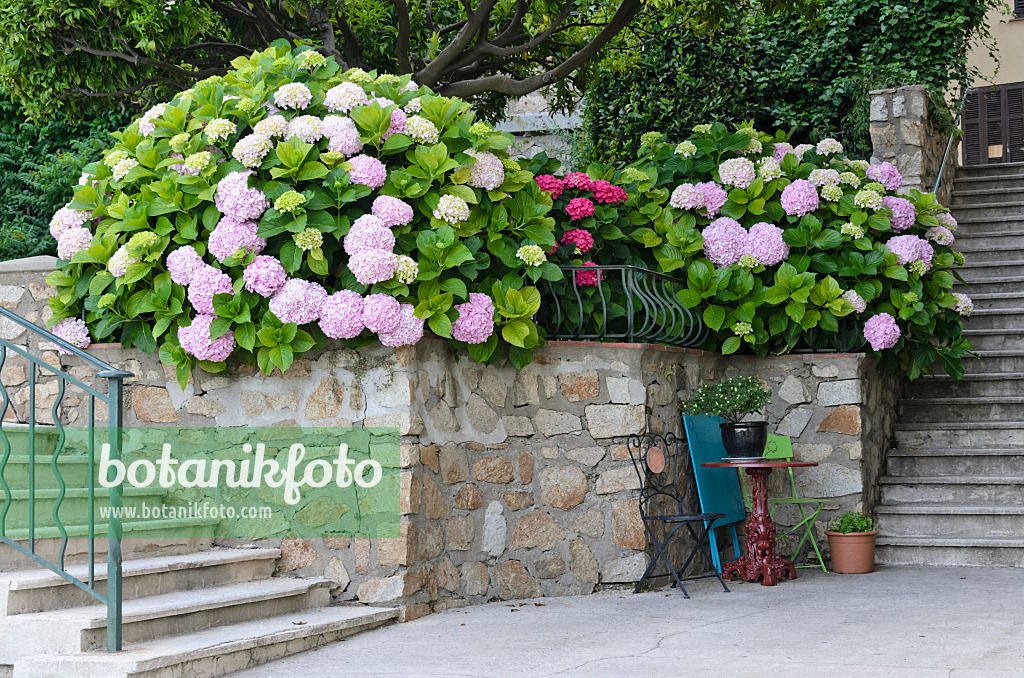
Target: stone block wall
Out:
[515,484]
[904,133]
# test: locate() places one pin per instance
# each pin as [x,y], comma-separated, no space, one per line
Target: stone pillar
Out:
[903,133]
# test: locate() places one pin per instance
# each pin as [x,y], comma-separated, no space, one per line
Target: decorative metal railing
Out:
[628,303]
[24,538]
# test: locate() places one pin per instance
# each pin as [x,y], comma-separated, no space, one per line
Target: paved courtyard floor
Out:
[901,622]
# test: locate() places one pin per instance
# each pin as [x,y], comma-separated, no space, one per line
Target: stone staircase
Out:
[954,493]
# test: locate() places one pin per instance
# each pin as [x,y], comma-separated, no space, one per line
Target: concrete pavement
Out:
[907,622]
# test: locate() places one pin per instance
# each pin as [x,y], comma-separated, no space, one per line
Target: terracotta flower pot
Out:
[852,553]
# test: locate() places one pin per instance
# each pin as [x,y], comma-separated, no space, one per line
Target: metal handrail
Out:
[112,596]
[952,135]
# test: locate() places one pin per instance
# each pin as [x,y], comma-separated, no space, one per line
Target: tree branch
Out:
[431,73]
[505,38]
[121,92]
[404,30]
[71,45]
[350,43]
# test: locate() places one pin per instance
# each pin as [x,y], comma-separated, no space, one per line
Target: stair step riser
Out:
[996,342]
[994,364]
[990,209]
[73,510]
[960,438]
[989,170]
[1000,268]
[16,473]
[1011,253]
[1013,321]
[971,238]
[925,388]
[949,556]
[63,596]
[998,303]
[1013,183]
[953,493]
[958,466]
[977,285]
[943,525]
[990,196]
[933,413]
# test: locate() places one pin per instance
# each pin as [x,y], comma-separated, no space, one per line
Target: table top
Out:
[759,464]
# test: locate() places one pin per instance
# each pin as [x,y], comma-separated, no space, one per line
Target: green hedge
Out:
[783,71]
[39,165]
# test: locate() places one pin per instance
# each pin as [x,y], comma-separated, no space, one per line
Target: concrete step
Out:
[969,490]
[84,629]
[214,652]
[950,520]
[971,386]
[74,471]
[959,435]
[997,318]
[18,435]
[973,270]
[995,339]
[989,209]
[43,590]
[956,462]
[988,362]
[950,552]
[977,254]
[975,236]
[984,194]
[1012,182]
[997,300]
[74,506]
[950,410]
[969,223]
[990,284]
[989,170]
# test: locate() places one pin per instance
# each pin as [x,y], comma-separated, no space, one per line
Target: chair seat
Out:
[688,518]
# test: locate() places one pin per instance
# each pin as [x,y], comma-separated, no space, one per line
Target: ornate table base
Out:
[761,560]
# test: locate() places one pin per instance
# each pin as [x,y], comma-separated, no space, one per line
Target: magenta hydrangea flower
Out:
[579,180]
[206,282]
[551,185]
[182,264]
[407,332]
[195,340]
[738,172]
[368,233]
[229,236]
[298,301]
[264,275]
[579,208]
[910,248]
[373,266]
[780,151]
[607,192]
[475,323]
[799,198]
[713,197]
[72,241]
[765,243]
[344,97]
[859,305]
[903,213]
[381,313]
[73,331]
[881,331]
[392,211]
[724,241]
[66,218]
[487,172]
[236,200]
[580,238]
[591,278]
[341,316]
[367,171]
[886,174]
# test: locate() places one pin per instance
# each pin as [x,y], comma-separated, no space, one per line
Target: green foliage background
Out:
[783,71]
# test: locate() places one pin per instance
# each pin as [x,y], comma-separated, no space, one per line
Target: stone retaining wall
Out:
[515,484]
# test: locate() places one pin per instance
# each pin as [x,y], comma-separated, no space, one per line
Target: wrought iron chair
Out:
[656,460]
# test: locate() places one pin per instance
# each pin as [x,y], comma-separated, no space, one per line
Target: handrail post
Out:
[115,421]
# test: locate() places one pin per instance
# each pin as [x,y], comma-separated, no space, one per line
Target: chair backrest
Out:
[718,488]
[778,447]
[656,460]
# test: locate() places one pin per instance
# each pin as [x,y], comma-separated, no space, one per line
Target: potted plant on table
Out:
[851,539]
[732,400]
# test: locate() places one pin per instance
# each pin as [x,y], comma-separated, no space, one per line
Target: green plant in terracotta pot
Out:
[851,539]
[732,400]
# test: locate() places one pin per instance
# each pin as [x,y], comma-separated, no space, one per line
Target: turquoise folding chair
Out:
[781,448]
[718,489]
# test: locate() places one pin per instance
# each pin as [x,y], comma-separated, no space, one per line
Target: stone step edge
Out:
[959,426]
[966,400]
[180,650]
[948,510]
[989,264]
[83,492]
[994,280]
[995,295]
[956,542]
[25,580]
[959,452]
[997,311]
[951,480]
[176,603]
[988,332]
[76,531]
[984,191]
[981,205]
[977,376]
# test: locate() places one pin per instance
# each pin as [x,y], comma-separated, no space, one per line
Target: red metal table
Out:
[761,560]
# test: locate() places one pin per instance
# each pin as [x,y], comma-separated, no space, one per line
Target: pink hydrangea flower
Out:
[940,235]
[182,264]
[398,120]
[799,198]
[765,243]
[487,172]
[724,241]
[910,248]
[373,266]
[73,331]
[859,305]
[66,218]
[195,340]
[881,331]
[801,149]
[947,220]
[579,208]
[579,180]
[381,313]
[73,241]
[206,282]
[738,172]
[236,200]
[309,128]
[828,145]
[551,185]
[344,97]
[713,197]
[368,233]
[886,174]
[475,323]
[407,332]
[298,301]
[341,316]
[903,213]
[229,236]
[580,238]
[392,211]
[964,305]
[294,95]
[264,275]
[781,149]
[367,171]
[686,197]
[607,192]
[591,278]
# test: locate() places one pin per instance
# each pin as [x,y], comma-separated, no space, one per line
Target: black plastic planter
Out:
[744,438]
